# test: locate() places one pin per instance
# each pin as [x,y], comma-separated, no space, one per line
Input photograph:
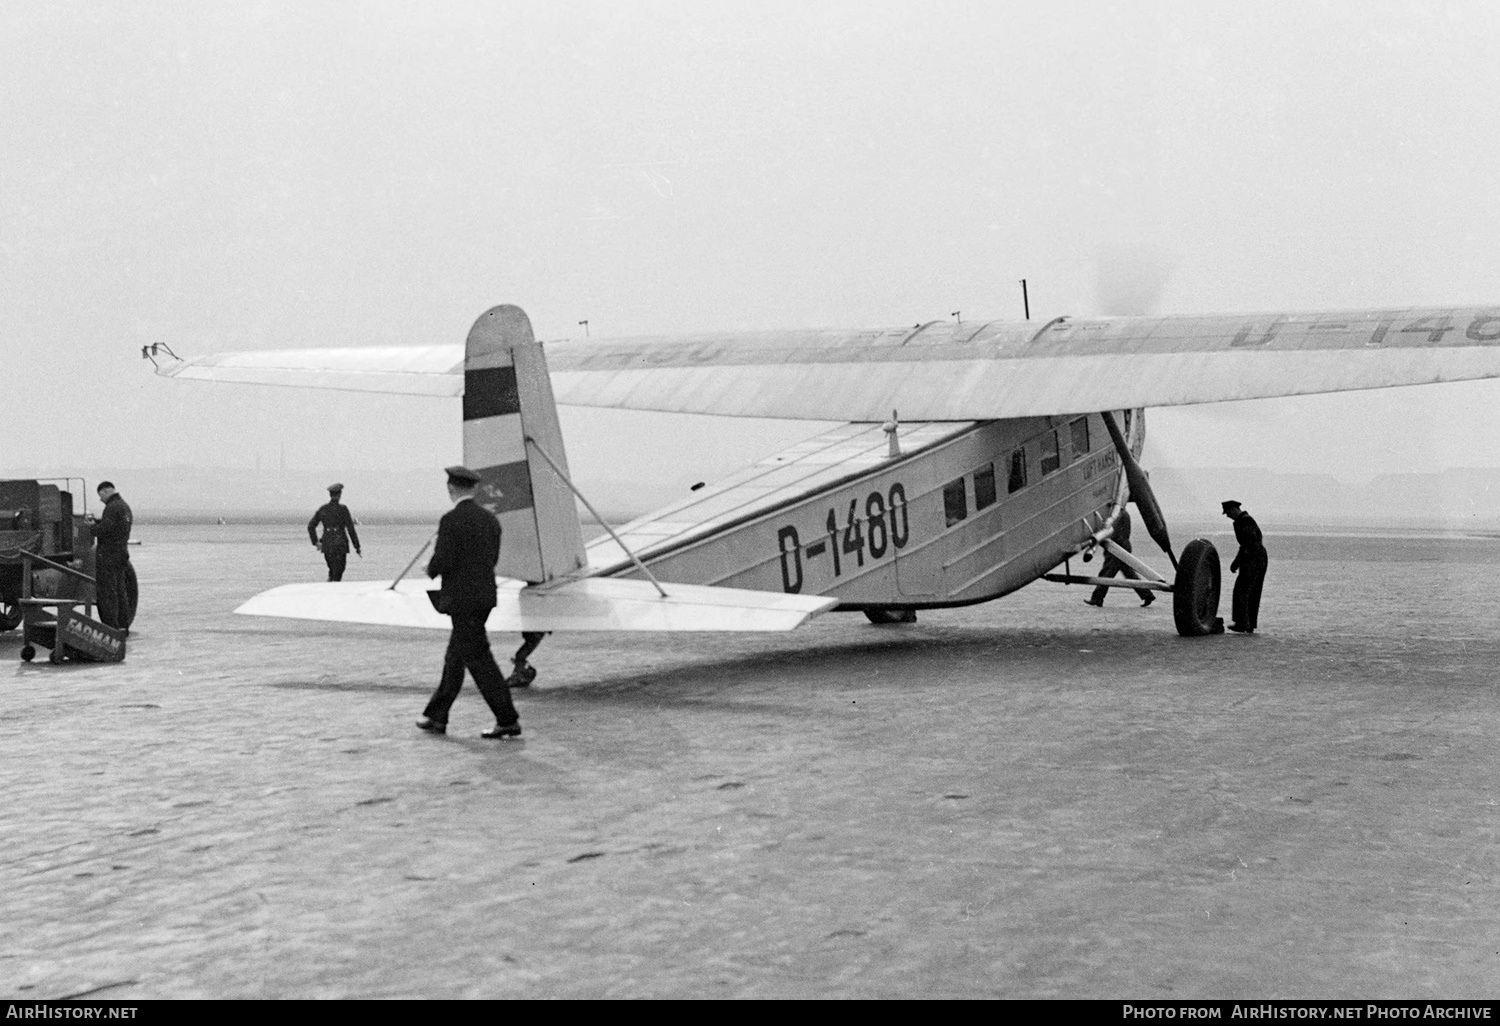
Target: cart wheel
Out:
[28,653]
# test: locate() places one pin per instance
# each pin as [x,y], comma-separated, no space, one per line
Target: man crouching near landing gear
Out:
[468,547]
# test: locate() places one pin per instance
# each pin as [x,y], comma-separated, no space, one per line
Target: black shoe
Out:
[1091,602]
[432,726]
[502,730]
[1150,598]
[1237,628]
[521,677]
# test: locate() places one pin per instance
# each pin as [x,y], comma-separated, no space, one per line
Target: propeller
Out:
[1129,280]
[1129,283]
[1140,490]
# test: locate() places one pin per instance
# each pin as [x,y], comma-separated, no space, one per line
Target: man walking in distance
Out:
[1113,566]
[468,547]
[1250,562]
[338,532]
[114,577]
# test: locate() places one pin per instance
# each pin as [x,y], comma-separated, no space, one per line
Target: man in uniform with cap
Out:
[114,577]
[338,532]
[468,547]
[1250,562]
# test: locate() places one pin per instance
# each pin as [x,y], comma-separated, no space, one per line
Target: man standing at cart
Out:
[338,532]
[114,576]
[1250,562]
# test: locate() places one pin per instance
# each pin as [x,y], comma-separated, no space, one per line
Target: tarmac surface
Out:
[1028,798]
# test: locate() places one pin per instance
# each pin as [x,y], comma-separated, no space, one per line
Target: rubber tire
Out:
[1195,593]
[890,616]
[28,653]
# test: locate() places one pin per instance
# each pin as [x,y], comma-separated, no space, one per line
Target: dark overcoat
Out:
[468,547]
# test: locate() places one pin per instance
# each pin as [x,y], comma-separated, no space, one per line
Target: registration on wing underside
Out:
[946,371]
[792,474]
[1064,336]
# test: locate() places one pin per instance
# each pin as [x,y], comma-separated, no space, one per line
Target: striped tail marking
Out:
[508,397]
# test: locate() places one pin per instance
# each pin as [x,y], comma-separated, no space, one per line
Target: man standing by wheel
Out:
[1250,563]
[114,577]
[468,547]
[1113,565]
[338,532]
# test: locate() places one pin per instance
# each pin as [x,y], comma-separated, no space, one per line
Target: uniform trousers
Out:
[117,589]
[1113,566]
[336,562]
[1252,576]
[469,648]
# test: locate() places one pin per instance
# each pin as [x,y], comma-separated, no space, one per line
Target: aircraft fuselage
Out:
[975,513]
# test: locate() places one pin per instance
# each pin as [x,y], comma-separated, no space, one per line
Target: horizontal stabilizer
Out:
[590,604]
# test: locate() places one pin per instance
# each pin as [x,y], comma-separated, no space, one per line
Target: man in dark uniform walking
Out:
[114,577]
[1250,562]
[338,532]
[1113,565]
[468,547]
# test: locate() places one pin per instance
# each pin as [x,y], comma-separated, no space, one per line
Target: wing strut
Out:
[1140,490]
[413,562]
[569,482]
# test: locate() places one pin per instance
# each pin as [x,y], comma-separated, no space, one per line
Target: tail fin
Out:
[507,399]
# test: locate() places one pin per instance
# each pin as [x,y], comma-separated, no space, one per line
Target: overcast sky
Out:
[255,175]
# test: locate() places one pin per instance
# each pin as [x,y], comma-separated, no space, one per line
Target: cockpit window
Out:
[1080,432]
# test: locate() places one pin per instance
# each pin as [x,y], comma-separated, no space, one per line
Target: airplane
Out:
[974,458]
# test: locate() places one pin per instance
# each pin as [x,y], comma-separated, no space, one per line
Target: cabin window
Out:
[1018,470]
[984,486]
[1080,431]
[1050,459]
[955,502]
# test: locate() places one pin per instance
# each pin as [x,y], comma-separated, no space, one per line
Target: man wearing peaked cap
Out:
[461,475]
[1250,563]
[468,547]
[338,532]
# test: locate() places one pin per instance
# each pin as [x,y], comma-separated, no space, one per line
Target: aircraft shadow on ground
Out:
[906,659]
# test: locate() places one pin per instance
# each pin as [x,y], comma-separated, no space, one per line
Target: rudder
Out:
[508,398]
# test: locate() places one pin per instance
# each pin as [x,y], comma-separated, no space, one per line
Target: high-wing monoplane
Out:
[974,458]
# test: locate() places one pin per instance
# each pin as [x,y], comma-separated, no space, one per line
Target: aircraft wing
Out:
[404,370]
[948,371]
[588,604]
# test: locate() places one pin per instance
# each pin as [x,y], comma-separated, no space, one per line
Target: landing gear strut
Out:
[1195,591]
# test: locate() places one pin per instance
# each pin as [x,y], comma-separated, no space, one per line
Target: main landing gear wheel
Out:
[10,616]
[1195,593]
[883,616]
